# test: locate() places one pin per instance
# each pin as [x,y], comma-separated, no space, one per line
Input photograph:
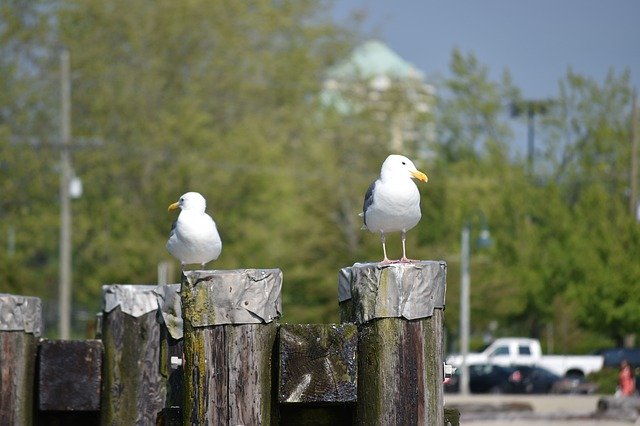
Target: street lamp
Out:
[530,108]
[484,240]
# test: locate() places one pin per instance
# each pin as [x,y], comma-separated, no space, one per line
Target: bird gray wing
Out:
[173,228]
[368,200]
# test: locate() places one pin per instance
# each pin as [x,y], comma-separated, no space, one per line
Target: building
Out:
[376,80]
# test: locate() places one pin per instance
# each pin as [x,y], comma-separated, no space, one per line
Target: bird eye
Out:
[404,164]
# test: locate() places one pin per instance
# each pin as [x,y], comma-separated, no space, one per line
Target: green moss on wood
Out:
[451,417]
[194,367]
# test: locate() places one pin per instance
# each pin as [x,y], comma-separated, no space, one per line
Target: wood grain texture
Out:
[398,309]
[318,363]
[400,372]
[17,374]
[228,374]
[69,375]
[134,390]
[250,351]
[229,341]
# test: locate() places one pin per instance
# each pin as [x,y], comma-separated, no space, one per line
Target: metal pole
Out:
[464,309]
[530,135]
[64,293]
[633,180]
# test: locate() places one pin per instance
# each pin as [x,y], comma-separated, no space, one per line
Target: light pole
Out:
[530,108]
[484,240]
[64,291]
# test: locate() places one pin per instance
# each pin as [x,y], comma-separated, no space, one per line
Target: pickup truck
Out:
[508,351]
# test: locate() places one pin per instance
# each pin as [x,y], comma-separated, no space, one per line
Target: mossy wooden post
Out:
[229,340]
[399,311]
[133,387]
[20,328]
[171,350]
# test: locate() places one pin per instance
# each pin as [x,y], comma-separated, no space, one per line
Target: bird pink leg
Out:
[384,249]
[404,258]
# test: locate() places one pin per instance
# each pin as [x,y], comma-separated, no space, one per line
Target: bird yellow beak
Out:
[420,176]
[173,206]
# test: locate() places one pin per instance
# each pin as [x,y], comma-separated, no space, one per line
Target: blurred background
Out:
[281,112]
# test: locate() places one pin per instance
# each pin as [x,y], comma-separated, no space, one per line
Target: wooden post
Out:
[317,373]
[133,388]
[229,339]
[69,375]
[69,382]
[20,328]
[171,350]
[399,311]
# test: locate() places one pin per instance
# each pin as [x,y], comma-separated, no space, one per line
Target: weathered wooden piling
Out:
[229,339]
[171,349]
[399,311]
[69,375]
[317,373]
[134,389]
[69,382]
[20,328]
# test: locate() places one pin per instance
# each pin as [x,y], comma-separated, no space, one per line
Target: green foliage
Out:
[606,379]
[225,99]
[565,246]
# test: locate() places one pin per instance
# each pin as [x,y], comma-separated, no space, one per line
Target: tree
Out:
[28,230]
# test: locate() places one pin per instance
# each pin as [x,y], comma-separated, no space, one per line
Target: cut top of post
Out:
[241,296]
[134,300]
[407,290]
[20,313]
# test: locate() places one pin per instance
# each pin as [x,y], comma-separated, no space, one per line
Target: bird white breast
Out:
[395,207]
[195,239]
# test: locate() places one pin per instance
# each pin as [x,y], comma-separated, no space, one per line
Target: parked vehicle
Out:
[614,356]
[509,351]
[535,379]
[574,385]
[487,378]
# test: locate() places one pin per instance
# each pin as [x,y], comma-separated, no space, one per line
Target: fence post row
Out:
[208,351]
[229,339]
[20,329]
[399,311]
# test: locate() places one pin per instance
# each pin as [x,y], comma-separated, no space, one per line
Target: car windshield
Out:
[500,350]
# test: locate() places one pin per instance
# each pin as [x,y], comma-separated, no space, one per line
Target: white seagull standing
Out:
[392,202]
[194,237]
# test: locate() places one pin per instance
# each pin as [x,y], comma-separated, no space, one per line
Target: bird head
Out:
[399,165]
[190,201]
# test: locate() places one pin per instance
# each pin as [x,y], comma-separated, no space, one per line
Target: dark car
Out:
[533,379]
[486,378]
[614,356]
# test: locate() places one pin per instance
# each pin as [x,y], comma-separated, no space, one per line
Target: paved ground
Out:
[534,410]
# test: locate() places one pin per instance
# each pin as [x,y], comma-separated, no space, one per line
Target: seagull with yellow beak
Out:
[392,202]
[194,237]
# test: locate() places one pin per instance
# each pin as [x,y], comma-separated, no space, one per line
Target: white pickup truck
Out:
[508,351]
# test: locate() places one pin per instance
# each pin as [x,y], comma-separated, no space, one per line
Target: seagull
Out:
[392,202]
[194,237]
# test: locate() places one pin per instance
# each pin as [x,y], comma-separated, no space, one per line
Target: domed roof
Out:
[373,59]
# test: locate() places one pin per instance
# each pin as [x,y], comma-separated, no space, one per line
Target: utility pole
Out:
[64,290]
[531,108]
[633,196]
[465,282]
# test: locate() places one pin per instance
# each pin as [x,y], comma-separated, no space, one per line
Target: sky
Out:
[538,41]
